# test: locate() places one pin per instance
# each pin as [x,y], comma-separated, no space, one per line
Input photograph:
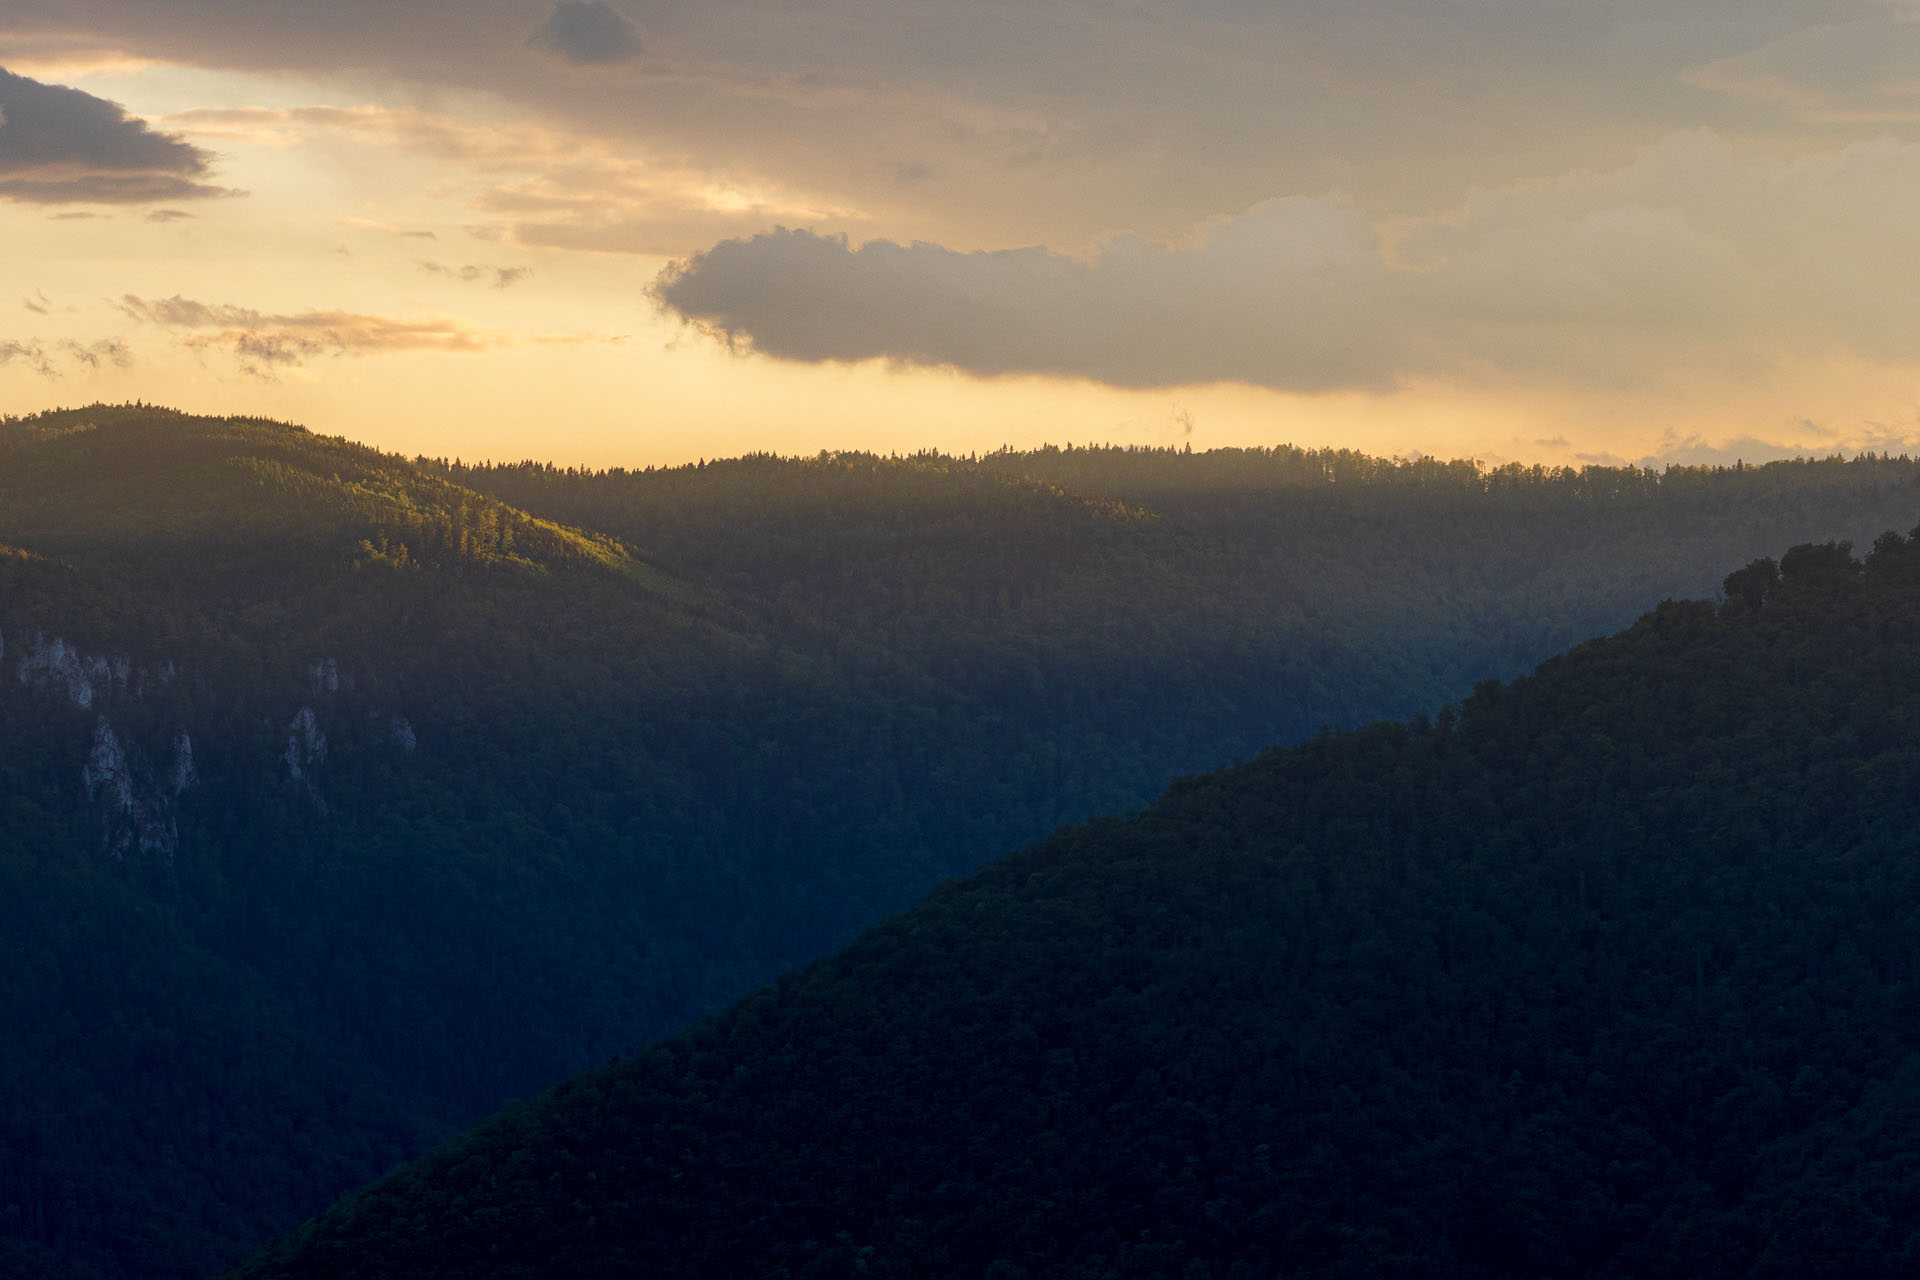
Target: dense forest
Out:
[346,797]
[1610,971]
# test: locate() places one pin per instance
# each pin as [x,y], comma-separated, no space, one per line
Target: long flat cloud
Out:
[1691,257]
[61,146]
[1288,296]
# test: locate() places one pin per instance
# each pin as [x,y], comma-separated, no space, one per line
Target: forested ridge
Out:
[1613,970]
[344,797]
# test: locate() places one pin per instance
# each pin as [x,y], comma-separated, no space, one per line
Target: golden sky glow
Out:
[644,233]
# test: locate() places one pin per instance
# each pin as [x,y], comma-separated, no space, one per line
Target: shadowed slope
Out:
[1610,972]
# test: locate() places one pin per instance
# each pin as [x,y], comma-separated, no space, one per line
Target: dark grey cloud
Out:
[61,146]
[589,31]
[1291,296]
[47,125]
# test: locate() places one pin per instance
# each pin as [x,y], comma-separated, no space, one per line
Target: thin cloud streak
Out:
[478,273]
[542,186]
[263,342]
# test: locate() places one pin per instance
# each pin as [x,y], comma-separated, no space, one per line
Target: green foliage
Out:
[1610,971]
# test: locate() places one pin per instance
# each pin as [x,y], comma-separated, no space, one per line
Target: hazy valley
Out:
[348,797]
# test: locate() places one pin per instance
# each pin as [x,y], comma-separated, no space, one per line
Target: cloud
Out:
[40,304]
[33,353]
[1691,260]
[472,273]
[542,186]
[910,173]
[589,31]
[1046,123]
[1286,296]
[263,342]
[106,188]
[1858,72]
[168,215]
[29,353]
[62,146]
[92,355]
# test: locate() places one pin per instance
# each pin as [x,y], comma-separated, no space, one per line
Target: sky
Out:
[640,232]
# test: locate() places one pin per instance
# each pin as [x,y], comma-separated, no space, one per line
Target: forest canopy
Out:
[1606,971]
[344,797]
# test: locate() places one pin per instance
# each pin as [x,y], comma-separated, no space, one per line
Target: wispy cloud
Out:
[477,273]
[92,355]
[34,354]
[546,187]
[263,342]
[30,353]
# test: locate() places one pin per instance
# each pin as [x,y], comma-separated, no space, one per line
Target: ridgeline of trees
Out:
[498,771]
[1612,971]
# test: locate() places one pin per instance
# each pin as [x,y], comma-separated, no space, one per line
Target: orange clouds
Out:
[262,342]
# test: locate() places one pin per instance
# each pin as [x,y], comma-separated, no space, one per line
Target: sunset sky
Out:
[647,231]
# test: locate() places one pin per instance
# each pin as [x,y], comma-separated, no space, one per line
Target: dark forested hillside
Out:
[1285,589]
[343,798]
[1610,971]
